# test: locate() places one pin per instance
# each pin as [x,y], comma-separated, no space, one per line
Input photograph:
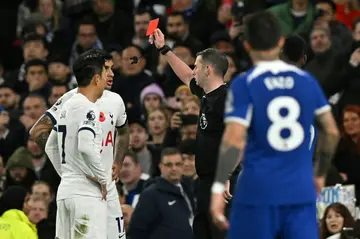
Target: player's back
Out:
[76,114]
[277,165]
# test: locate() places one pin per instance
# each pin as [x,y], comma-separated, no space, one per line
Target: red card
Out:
[152,26]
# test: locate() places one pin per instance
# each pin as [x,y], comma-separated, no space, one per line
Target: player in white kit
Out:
[112,116]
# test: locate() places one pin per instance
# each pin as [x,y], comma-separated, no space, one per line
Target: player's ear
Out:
[247,46]
[281,42]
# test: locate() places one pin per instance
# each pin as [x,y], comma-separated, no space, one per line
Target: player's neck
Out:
[212,84]
[89,93]
[258,56]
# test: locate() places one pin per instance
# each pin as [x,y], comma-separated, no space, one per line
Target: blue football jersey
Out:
[278,103]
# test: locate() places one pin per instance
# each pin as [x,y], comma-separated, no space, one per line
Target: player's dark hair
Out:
[294,49]
[169,151]
[262,31]
[36,62]
[89,64]
[216,59]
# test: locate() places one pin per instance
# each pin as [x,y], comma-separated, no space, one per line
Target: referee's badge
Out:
[203,121]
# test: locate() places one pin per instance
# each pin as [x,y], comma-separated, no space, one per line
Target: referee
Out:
[206,81]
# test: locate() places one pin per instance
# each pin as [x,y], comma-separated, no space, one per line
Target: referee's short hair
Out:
[216,59]
[262,31]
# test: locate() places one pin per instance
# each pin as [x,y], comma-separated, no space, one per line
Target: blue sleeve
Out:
[321,103]
[238,107]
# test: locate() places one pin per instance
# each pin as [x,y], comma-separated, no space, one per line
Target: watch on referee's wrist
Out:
[165,49]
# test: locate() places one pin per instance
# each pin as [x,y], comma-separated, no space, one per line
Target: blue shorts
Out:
[273,222]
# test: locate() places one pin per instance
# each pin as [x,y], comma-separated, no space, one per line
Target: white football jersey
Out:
[77,114]
[112,114]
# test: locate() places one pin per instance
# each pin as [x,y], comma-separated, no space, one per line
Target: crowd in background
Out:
[40,39]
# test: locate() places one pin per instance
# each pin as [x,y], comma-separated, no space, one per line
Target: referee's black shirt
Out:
[210,128]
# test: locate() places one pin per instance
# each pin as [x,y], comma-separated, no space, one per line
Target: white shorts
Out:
[81,217]
[115,220]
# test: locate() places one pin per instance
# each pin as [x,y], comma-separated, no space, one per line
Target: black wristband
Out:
[165,49]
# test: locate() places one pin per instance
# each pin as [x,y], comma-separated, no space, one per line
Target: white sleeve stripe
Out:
[322,110]
[238,120]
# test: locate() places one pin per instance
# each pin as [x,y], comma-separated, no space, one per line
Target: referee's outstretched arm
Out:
[181,69]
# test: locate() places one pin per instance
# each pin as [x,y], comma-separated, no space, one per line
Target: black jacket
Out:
[161,212]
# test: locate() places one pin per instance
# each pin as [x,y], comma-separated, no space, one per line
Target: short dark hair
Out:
[216,59]
[34,37]
[294,49]
[262,31]
[36,62]
[178,13]
[329,2]
[132,155]
[143,10]
[89,64]
[169,151]
[85,21]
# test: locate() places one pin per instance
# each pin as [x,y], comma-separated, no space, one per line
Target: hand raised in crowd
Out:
[175,121]
[157,38]
[355,57]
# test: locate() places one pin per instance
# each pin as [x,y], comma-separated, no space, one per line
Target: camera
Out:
[188,119]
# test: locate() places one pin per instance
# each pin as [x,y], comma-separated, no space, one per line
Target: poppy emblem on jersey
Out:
[91,115]
[102,117]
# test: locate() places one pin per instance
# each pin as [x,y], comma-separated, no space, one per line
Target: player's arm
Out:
[238,113]
[181,69]
[122,134]
[41,130]
[52,151]
[328,138]
[121,143]
[87,147]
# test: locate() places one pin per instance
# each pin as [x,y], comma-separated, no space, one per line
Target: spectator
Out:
[56,92]
[132,179]
[336,217]
[154,215]
[151,98]
[34,107]
[157,124]
[36,77]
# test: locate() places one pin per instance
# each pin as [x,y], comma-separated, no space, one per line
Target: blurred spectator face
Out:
[128,68]
[151,102]
[130,171]
[183,95]
[103,7]
[189,165]
[87,36]
[328,13]
[157,122]
[138,137]
[18,173]
[36,77]
[2,169]
[176,26]
[46,7]
[172,168]
[58,71]
[42,190]
[127,211]
[231,70]
[224,47]
[188,131]
[56,92]
[141,24]
[334,221]
[34,50]
[356,32]
[34,107]
[320,41]
[191,107]
[184,54]
[4,119]
[181,5]
[38,210]
[351,123]
[34,149]
[117,60]
[40,29]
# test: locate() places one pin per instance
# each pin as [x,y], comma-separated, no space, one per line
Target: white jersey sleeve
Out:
[122,117]
[54,111]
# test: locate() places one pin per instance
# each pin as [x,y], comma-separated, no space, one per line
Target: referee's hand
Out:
[157,38]
[217,210]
